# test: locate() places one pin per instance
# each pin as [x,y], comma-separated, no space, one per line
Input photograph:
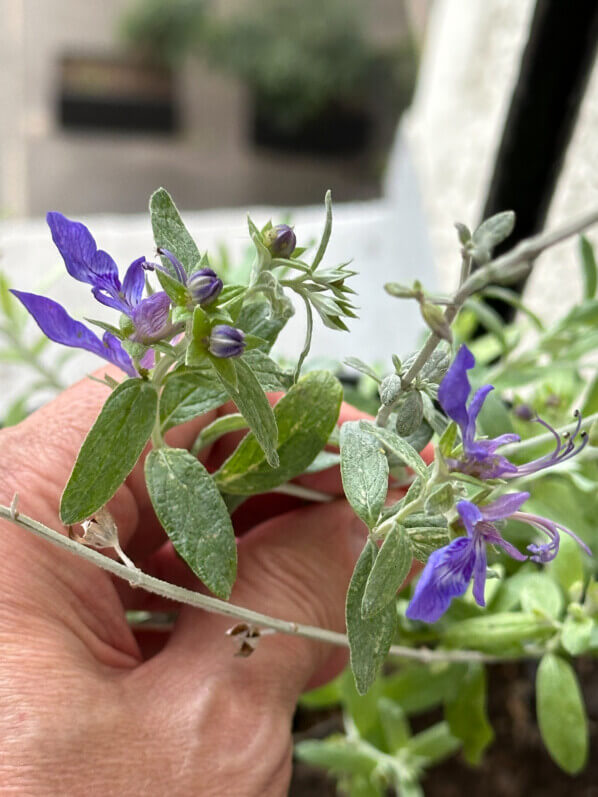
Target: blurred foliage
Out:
[297,58]
[548,614]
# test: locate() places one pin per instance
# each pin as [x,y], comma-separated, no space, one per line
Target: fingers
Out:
[296,567]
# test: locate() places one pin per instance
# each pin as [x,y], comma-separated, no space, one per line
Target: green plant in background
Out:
[549,614]
[17,348]
[299,59]
[187,343]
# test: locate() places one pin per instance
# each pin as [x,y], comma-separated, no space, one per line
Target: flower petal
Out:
[134,282]
[150,317]
[445,576]
[504,506]
[470,515]
[81,257]
[57,324]
[455,388]
[477,403]
[479,572]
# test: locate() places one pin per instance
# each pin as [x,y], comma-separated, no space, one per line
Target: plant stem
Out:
[138,578]
[504,266]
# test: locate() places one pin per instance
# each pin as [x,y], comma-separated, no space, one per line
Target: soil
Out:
[515,765]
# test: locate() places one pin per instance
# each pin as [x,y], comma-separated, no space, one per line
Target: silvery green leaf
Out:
[389,389]
[397,446]
[561,713]
[441,500]
[256,318]
[305,416]
[424,540]
[491,232]
[436,419]
[435,367]
[363,368]
[410,413]
[364,471]
[253,404]
[369,639]
[390,570]
[463,232]
[268,373]
[109,452]
[467,716]
[170,232]
[193,514]
[188,393]
[234,422]
[324,460]
[448,439]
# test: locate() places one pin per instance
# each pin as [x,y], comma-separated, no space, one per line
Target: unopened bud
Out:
[434,318]
[410,413]
[204,286]
[281,240]
[226,341]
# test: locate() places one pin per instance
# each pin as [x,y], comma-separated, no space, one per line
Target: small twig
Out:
[505,265]
[138,578]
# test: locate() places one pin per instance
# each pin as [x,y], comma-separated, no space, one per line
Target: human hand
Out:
[85,710]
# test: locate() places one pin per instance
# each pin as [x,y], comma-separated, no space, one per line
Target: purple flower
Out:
[57,324]
[226,341]
[449,570]
[480,457]
[86,263]
[281,240]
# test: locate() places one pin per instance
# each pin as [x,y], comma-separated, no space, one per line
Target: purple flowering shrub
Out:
[503,537]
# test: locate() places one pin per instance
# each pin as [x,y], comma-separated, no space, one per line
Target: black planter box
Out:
[335,131]
[116,94]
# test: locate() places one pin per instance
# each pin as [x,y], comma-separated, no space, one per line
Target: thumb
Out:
[296,567]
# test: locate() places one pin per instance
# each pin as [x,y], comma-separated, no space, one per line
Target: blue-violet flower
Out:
[204,285]
[480,457]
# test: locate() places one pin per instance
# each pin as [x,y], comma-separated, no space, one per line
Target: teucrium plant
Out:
[187,342]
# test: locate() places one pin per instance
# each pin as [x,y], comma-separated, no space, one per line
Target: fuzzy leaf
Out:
[466,714]
[188,393]
[364,470]
[390,570]
[398,446]
[369,639]
[193,514]
[170,232]
[305,416]
[110,450]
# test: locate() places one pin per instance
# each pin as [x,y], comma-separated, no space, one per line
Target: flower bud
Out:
[204,286]
[226,341]
[410,413]
[281,240]
[390,389]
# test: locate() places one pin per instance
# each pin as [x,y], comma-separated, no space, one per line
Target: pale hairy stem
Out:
[138,578]
[303,492]
[522,255]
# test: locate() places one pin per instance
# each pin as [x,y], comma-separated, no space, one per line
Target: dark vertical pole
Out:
[555,67]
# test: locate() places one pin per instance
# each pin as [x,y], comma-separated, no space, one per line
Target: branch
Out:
[505,267]
[138,578]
